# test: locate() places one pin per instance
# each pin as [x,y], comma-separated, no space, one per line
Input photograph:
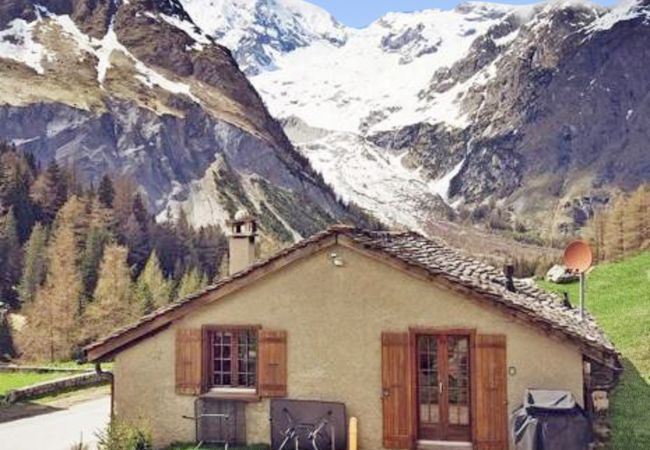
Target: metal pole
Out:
[582,295]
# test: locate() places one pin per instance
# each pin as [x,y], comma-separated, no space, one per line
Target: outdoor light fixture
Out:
[337,261]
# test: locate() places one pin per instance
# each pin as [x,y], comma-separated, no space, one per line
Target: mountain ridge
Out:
[454,100]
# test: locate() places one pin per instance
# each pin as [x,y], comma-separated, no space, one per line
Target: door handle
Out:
[385,393]
[440,387]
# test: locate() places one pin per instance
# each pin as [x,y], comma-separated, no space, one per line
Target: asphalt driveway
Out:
[58,430]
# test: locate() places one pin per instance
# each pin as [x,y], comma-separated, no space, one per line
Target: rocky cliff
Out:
[135,87]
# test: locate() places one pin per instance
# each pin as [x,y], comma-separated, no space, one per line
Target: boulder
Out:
[560,274]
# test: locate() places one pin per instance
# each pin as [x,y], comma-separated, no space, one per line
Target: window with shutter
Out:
[189,362]
[272,370]
[232,357]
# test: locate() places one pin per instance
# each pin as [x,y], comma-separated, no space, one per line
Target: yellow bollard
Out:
[353,433]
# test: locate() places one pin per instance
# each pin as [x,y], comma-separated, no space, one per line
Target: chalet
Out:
[422,345]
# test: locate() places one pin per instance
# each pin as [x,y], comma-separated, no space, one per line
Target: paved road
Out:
[57,430]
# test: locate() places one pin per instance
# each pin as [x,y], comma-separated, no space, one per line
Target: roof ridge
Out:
[440,260]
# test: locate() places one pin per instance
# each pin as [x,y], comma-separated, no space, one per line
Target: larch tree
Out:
[124,188]
[113,305]
[152,289]
[75,214]
[51,328]
[634,221]
[191,282]
[615,245]
[102,217]
[35,264]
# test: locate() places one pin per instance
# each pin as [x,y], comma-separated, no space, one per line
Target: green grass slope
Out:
[618,295]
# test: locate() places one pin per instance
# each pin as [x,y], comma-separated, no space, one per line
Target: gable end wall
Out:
[334,317]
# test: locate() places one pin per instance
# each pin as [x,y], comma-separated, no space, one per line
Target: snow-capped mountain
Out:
[135,87]
[428,110]
[258,31]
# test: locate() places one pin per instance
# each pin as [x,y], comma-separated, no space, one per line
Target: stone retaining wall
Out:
[56,386]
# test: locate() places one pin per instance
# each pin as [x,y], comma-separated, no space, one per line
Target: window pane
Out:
[234,366]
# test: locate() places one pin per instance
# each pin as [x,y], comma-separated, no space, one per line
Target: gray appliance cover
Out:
[550,420]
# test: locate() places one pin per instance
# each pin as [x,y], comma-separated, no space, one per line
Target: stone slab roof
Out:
[415,252]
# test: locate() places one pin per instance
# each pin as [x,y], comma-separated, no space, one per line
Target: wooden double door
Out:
[444,386]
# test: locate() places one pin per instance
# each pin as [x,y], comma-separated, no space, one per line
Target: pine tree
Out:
[51,328]
[167,247]
[90,261]
[106,192]
[211,247]
[11,256]
[139,211]
[49,192]
[187,251]
[113,305]
[35,265]
[17,173]
[152,289]
[138,242]
[191,282]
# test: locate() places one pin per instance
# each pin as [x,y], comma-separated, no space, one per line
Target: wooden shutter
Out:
[491,407]
[396,390]
[272,371]
[189,362]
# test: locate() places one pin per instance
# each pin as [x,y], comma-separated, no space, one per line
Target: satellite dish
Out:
[578,256]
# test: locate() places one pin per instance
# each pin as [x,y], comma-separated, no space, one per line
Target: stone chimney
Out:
[241,242]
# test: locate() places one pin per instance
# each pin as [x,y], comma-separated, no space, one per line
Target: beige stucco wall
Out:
[337,313]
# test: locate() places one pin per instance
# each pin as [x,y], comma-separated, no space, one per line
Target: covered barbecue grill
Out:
[550,420]
[308,425]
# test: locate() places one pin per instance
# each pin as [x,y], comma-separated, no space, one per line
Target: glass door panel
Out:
[458,390]
[443,387]
[428,387]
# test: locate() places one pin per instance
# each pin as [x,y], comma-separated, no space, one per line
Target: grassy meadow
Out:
[618,295]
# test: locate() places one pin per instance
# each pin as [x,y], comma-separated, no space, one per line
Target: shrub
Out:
[123,436]
[79,446]
[6,341]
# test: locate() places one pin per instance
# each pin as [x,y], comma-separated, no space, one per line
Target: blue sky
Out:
[359,13]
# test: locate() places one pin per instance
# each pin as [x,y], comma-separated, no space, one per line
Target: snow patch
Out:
[441,185]
[187,27]
[624,10]
[108,45]
[17,43]
[104,48]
